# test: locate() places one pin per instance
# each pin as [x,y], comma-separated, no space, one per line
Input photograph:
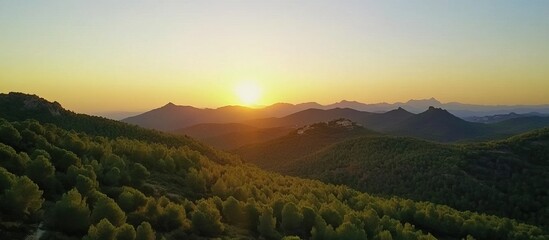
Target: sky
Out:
[97,56]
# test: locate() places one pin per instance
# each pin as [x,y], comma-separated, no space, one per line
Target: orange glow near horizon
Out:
[136,56]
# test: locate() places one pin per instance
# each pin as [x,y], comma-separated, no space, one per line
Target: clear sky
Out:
[97,56]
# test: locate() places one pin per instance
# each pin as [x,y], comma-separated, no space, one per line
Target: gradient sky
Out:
[95,56]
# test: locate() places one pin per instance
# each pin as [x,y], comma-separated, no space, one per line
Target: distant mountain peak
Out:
[347,101]
[170,104]
[400,109]
[281,104]
[435,113]
[431,101]
[436,109]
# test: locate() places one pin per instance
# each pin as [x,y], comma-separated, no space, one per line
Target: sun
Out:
[249,93]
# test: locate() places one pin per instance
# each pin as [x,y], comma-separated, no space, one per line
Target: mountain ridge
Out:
[171,116]
[413,105]
[434,124]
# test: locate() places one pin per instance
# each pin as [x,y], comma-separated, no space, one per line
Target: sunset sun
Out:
[248,93]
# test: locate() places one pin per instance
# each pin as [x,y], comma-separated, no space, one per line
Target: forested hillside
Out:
[231,135]
[20,106]
[507,178]
[82,185]
[309,139]
[439,125]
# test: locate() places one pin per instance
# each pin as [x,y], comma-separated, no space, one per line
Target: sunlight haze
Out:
[137,55]
[249,93]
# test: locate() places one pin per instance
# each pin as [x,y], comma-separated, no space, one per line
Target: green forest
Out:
[74,176]
[507,178]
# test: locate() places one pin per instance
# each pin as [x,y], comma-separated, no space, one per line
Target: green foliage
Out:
[63,159]
[73,172]
[139,174]
[206,220]
[331,216]
[70,214]
[104,230]
[385,235]
[276,153]
[42,172]
[506,178]
[219,188]
[131,199]
[309,219]
[10,160]
[175,200]
[145,232]
[112,177]
[232,211]
[291,238]
[85,185]
[21,199]
[8,134]
[106,208]
[350,231]
[125,232]
[6,180]
[251,216]
[291,218]
[13,108]
[322,231]
[267,225]
[172,217]
[196,180]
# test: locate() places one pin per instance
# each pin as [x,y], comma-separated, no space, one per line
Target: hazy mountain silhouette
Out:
[461,110]
[438,124]
[502,117]
[116,115]
[231,135]
[171,117]
[300,142]
[386,121]
[433,124]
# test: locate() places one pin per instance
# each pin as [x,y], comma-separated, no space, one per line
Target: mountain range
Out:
[180,116]
[232,127]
